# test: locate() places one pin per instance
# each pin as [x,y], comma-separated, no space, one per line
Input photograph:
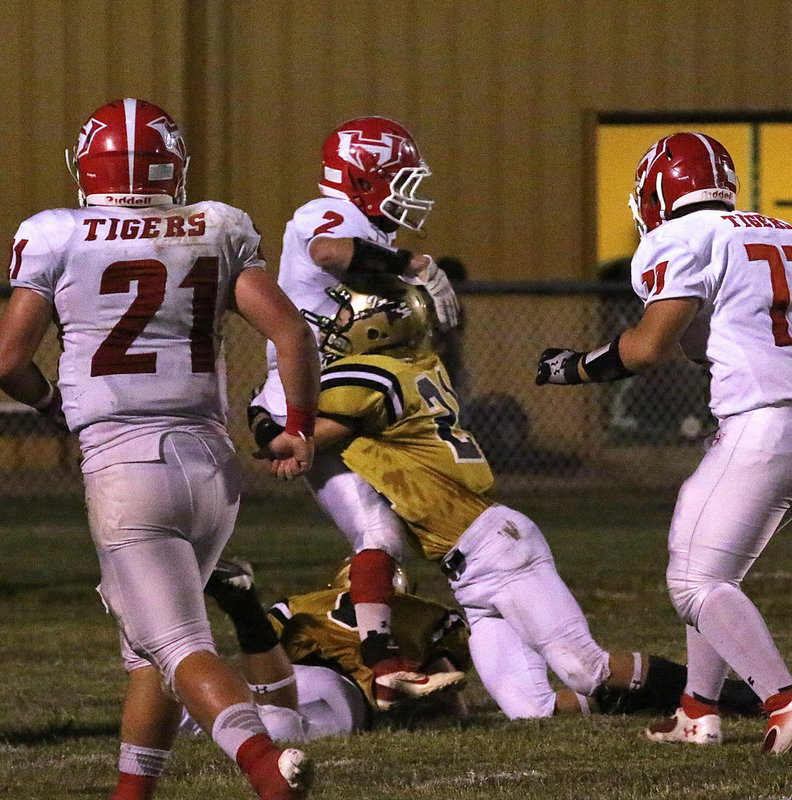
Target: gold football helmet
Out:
[376,314]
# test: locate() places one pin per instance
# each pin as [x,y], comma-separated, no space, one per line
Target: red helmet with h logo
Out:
[677,171]
[129,153]
[375,163]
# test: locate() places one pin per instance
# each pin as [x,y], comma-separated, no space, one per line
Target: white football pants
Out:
[159,528]
[724,517]
[520,611]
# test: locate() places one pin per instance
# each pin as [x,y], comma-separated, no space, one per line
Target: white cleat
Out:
[393,688]
[682,729]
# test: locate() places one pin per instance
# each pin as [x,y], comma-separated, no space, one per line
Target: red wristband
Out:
[300,421]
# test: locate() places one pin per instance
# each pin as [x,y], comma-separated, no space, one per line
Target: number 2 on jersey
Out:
[778,280]
[112,357]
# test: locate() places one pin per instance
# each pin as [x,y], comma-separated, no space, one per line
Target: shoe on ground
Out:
[286,775]
[778,732]
[682,729]
[395,683]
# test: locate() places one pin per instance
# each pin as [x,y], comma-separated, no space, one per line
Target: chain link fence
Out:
[646,432]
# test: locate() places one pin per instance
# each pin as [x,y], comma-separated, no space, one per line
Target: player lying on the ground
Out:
[318,633]
[395,419]
[330,690]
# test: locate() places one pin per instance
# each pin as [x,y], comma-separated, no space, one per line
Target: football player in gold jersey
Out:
[321,628]
[387,404]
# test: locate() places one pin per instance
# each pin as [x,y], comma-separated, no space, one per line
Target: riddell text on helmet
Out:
[109,228]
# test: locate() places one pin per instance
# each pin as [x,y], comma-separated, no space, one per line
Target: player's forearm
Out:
[25,384]
[331,433]
[298,365]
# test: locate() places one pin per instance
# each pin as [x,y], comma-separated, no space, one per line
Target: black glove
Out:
[558,366]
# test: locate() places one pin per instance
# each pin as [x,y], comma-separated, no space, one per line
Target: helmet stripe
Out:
[660,197]
[711,152]
[130,110]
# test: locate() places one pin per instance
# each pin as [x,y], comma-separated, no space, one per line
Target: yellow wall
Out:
[499,93]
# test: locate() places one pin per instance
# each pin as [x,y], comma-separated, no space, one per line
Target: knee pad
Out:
[580,670]
[688,596]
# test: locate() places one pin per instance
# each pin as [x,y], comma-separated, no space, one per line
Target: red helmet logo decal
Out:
[87,133]
[369,154]
[171,136]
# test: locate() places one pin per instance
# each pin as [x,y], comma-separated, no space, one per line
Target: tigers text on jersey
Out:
[739,266]
[139,295]
[320,628]
[409,444]
[302,280]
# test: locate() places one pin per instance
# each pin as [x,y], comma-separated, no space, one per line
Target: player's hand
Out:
[558,366]
[440,290]
[289,455]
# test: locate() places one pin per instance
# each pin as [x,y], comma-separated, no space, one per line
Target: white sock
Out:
[374,617]
[234,726]
[136,760]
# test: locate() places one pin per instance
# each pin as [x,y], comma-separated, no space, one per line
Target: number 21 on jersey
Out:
[112,356]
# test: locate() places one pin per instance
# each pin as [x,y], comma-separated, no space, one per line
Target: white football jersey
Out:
[739,265]
[303,281]
[139,295]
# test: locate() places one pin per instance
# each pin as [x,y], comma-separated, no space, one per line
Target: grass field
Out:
[61,683]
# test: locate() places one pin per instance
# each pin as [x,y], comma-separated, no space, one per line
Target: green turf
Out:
[60,681]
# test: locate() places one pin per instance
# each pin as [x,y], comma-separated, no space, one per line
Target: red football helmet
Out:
[679,170]
[129,153]
[375,163]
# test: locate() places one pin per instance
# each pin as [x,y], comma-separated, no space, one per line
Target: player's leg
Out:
[509,571]
[513,674]
[725,515]
[376,535]
[149,724]
[332,704]
[264,662]
[697,719]
[150,522]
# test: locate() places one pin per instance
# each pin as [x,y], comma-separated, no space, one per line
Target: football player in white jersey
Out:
[139,284]
[715,281]
[372,171]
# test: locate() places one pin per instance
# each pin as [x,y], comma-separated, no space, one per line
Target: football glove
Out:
[442,293]
[558,366]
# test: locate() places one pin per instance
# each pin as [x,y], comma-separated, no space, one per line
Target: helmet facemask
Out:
[401,205]
[388,316]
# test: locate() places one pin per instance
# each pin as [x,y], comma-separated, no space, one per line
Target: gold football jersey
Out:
[409,444]
[320,629]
